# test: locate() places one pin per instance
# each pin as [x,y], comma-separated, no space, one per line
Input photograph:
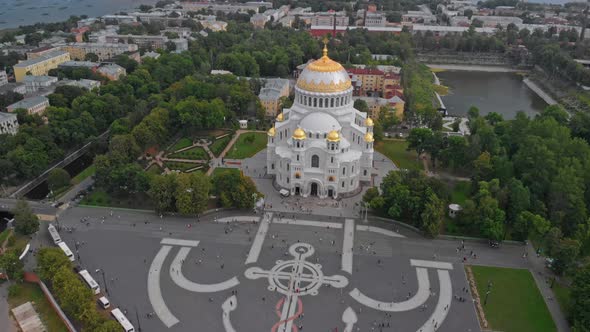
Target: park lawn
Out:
[515,303]
[220,144]
[180,166]
[221,170]
[460,193]
[243,149]
[196,153]
[396,150]
[25,292]
[89,171]
[154,169]
[563,295]
[99,197]
[181,144]
[4,235]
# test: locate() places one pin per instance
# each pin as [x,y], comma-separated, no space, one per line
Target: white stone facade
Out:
[321,146]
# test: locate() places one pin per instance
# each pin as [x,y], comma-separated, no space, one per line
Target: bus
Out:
[64,247]
[89,281]
[54,234]
[120,317]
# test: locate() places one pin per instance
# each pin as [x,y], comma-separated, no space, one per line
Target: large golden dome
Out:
[324,75]
[299,134]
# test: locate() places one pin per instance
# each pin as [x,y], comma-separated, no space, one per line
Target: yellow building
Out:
[104,51]
[40,65]
[270,95]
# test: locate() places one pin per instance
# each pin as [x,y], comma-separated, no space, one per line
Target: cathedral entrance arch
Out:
[314,189]
[297,190]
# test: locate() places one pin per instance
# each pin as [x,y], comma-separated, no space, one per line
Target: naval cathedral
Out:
[321,146]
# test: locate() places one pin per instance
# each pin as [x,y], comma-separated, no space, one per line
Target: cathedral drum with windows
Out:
[321,146]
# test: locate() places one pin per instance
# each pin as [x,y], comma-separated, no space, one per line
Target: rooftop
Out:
[40,59]
[7,116]
[29,102]
[42,78]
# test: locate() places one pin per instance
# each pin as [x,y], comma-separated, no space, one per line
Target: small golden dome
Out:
[369,137]
[333,136]
[369,122]
[271,132]
[280,117]
[299,134]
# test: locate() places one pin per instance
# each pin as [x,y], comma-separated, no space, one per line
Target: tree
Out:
[49,261]
[91,57]
[12,265]
[432,215]
[192,193]
[581,300]
[58,178]
[419,139]
[162,191]
[26,222]
[235,190]
[124,148]
[565,254]
[361,105]
[468,13]
[527,223]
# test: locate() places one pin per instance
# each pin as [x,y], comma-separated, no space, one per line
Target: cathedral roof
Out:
[319,122]
[324,75]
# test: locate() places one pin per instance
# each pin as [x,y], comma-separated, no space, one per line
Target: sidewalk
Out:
[6,323]
[542,277]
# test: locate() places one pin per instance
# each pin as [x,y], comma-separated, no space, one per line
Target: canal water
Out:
[74,168]
[503,93]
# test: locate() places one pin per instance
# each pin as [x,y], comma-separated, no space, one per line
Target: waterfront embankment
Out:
[489,69]
[542,94]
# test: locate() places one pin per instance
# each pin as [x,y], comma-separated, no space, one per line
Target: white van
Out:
[103,302]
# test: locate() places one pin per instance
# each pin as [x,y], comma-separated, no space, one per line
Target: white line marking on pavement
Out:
[259,239]
[154,291]
[443,306]
[417,300]
[179,242]
[334,225]
[228,306]
[347,245]
[379,230]
[180,280]
[431,264]
[237,219]
[349,318]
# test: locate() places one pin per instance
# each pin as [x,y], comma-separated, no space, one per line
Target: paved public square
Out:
[228,272]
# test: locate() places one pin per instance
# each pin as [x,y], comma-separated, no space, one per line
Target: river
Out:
[14,13]
[504,93]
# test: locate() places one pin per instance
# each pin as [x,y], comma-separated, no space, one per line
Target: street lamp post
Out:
[485,301]
[137,317]
[104,280]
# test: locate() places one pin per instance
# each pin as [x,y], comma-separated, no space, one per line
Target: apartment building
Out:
[35,83]
[145,41]
[270,96]
[8,123]
[33,105]
[40,65]
[104,51]
[330,19]
[374,82]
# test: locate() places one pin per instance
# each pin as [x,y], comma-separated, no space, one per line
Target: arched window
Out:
[331,102]
[365,173]
[343,170]
[315,102]
[315,161]
[321,102]
[332,160]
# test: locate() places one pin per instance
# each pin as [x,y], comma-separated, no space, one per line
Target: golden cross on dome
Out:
[325,51]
